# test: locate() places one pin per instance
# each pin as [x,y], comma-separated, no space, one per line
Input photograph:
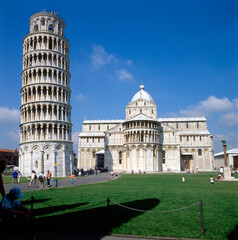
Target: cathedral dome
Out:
[142,94]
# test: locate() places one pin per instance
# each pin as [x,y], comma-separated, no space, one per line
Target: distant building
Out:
[143,142]
[232,159]
[10,156]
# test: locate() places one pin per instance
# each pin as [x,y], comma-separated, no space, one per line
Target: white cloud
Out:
[129,62]
[80,96]
[235,102]
[7,115]
[100,57]
[229,119]
[212,104]
[124,75]
[14,136]
[231,140]
[228,136]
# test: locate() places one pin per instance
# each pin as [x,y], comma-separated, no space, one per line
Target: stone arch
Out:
[25,149]
[35,147]
[58,147]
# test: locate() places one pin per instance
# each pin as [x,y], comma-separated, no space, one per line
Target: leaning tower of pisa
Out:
[46,129]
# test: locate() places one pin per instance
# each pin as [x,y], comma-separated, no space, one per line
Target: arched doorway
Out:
[100,159]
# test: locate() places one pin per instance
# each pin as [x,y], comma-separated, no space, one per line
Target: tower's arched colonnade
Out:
[46,129]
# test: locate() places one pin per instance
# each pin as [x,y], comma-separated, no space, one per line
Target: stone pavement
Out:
[109,237]
[103,177]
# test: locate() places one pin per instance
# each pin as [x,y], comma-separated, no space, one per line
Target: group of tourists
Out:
[41,179]
[16,176]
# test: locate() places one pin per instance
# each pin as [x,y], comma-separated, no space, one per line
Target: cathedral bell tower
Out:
[46,129]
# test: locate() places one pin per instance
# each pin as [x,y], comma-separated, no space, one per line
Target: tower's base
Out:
[55,156]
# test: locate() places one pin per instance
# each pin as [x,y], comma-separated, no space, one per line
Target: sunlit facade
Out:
[144,143]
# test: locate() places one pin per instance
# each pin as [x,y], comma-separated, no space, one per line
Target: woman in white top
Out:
[19,175]
[33,178]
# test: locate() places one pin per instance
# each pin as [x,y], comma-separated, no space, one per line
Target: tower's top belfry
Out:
[47,22]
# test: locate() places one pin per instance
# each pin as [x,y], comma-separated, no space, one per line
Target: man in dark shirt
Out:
[14,174]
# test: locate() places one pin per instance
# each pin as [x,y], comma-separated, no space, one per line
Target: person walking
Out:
[48,177]
[183,179]
[41,180]
[33,178]
[72,178]
[212,181]
[19,175]
[14,175]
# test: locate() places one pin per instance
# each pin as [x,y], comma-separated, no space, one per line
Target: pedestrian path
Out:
[103,177]
[108,237]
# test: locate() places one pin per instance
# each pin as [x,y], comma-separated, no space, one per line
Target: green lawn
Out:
[8,179]
[83,208]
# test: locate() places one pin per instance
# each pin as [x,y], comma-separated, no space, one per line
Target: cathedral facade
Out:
[144,143]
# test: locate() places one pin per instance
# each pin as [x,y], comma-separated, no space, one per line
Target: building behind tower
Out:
[46,129]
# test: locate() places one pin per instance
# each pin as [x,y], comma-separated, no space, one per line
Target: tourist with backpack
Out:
[41,180]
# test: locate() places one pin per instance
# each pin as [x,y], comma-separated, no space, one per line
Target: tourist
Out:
[19,177]
[72,178]
[212,181]
[80,174]
[13,206]
[112,173]
[14,175]
[183,179]
[41,180]
[48,177]
[33,178]
[2,168]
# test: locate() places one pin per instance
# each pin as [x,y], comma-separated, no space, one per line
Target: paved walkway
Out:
[109,237]
[103,177]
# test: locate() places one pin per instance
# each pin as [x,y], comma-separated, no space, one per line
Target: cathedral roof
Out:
[142,94]
[182,119]
[231,151]
[91,134]
[140,117]
[202,132]
[103,121]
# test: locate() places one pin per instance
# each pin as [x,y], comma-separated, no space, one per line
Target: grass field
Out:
[8,179]
[83,208]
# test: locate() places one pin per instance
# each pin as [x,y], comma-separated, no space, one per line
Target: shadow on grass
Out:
[28,202]
[97,221]
[233,235]
[50,209]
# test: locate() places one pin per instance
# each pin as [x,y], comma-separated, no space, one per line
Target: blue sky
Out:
[185,53]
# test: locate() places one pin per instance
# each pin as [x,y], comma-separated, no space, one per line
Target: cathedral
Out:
[144,143]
